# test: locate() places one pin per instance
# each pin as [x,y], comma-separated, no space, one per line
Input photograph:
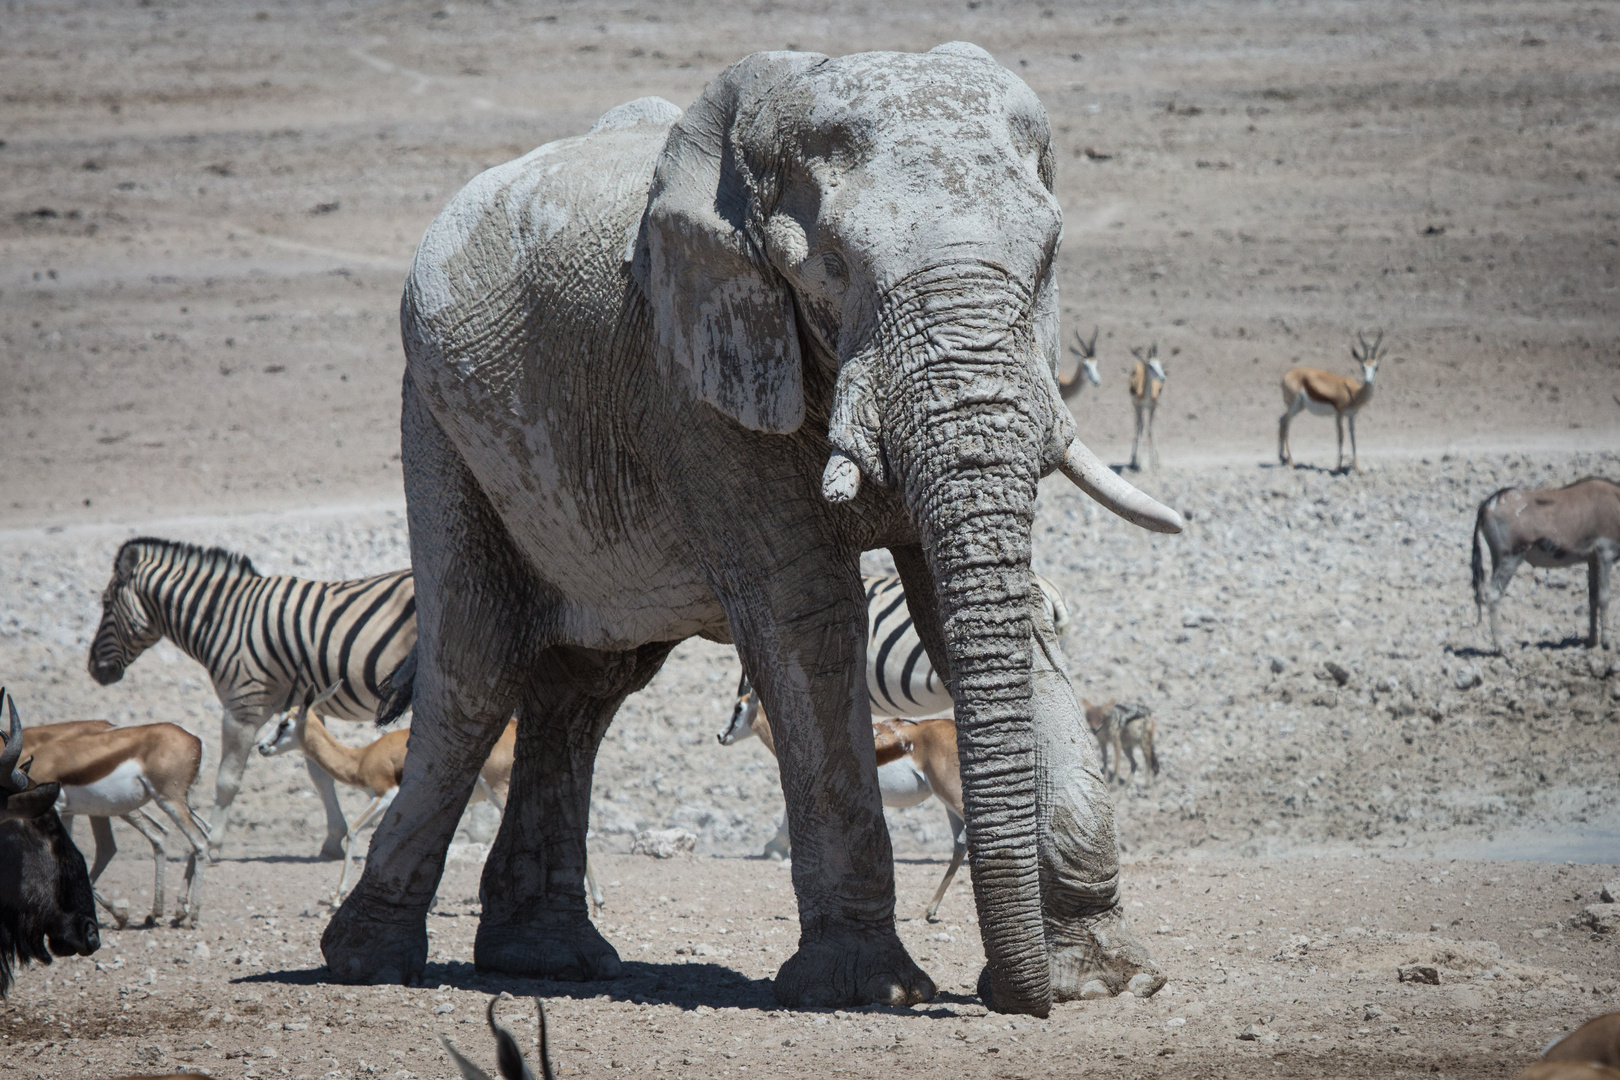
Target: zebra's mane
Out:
[214,558]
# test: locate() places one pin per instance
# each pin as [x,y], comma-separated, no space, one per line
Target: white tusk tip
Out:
[841,480]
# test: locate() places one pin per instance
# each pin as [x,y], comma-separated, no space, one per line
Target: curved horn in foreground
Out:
[1094,478]
[12,778]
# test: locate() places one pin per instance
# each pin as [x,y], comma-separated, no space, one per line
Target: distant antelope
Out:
[1086,370]
[1126,728]
[378,768]
[1325,393]
[916,760]
[101,827]
[1549,527]
[115,772]
[1147,383]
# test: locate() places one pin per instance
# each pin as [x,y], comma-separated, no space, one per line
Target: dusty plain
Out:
[206,211]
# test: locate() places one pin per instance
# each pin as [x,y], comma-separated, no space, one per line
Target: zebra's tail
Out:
[395,691]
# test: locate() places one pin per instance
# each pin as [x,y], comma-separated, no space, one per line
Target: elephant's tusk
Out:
[842,479]
[1094,478]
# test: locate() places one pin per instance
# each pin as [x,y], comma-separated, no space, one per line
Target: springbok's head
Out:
[1150,360]
[1086,351]
[289,733]
[1368,355]
[741,725]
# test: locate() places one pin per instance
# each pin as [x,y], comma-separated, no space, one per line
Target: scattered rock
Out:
[1466,678]
[1603,918]
[1337,673]
[1196,617]
[1611,892]
[664,843]
[1419,973]
[1093,990]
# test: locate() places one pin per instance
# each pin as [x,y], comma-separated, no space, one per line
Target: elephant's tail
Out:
[395,691]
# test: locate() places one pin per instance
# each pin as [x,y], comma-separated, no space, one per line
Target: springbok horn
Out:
[1094,478]
[11,777]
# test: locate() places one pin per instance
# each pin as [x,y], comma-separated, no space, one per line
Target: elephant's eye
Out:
[833,265]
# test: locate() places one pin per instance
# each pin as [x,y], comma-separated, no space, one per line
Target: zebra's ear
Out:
[128,556]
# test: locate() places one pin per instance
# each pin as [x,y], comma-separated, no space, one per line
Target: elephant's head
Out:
[890,218]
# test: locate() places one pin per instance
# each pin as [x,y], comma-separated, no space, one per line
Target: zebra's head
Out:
[741,725]
[128,626]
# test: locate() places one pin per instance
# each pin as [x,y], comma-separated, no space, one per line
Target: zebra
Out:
[900,683]
[264,640]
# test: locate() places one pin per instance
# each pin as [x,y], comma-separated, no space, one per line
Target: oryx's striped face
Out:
[127,628]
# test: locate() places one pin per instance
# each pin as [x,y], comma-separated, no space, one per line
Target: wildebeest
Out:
[45,892]
[1563,526]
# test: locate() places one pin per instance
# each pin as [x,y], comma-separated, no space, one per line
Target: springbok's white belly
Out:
[119,792]
[902,783]
[1317,408]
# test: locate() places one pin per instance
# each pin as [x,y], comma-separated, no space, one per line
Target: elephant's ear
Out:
[721,313]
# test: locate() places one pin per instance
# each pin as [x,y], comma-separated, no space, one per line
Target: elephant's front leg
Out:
[535,920]
[806,651]
[1093,951]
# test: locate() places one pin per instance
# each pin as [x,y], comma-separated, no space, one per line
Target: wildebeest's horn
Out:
[1094,478]
[12,778]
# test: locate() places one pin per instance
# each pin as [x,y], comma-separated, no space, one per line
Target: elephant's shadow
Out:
[686,986]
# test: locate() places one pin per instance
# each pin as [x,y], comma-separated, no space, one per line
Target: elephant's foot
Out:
[852,968]
[332,850]
[1101,949]
[366,943]
[561,947]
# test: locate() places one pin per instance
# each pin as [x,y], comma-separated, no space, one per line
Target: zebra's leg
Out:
[535,920]
[236,737]
[336,827]
[959,836]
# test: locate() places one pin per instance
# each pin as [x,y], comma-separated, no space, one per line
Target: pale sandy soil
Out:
[206,211]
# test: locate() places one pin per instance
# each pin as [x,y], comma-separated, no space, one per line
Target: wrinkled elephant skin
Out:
[671,378]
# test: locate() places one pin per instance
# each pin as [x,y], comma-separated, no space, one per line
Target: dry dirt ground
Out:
[206,211]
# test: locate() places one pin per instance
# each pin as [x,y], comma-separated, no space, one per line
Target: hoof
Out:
[361,949]
[570,951]
[852,969]
[1102,949]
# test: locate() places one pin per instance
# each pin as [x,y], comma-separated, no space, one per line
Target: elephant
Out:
[671,378]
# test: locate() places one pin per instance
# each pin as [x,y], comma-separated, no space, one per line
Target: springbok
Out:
[1550,527]
[115,772]
[378,768]
[154,830]
[1086,370]
[1125,728]
[46,904]
[1147,383]
[916,760]
[508,1057]
[1325,393]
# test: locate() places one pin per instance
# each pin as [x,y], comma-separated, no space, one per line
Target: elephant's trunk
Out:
[967,469]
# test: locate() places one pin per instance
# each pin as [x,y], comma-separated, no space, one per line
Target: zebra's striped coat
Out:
[263,639]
